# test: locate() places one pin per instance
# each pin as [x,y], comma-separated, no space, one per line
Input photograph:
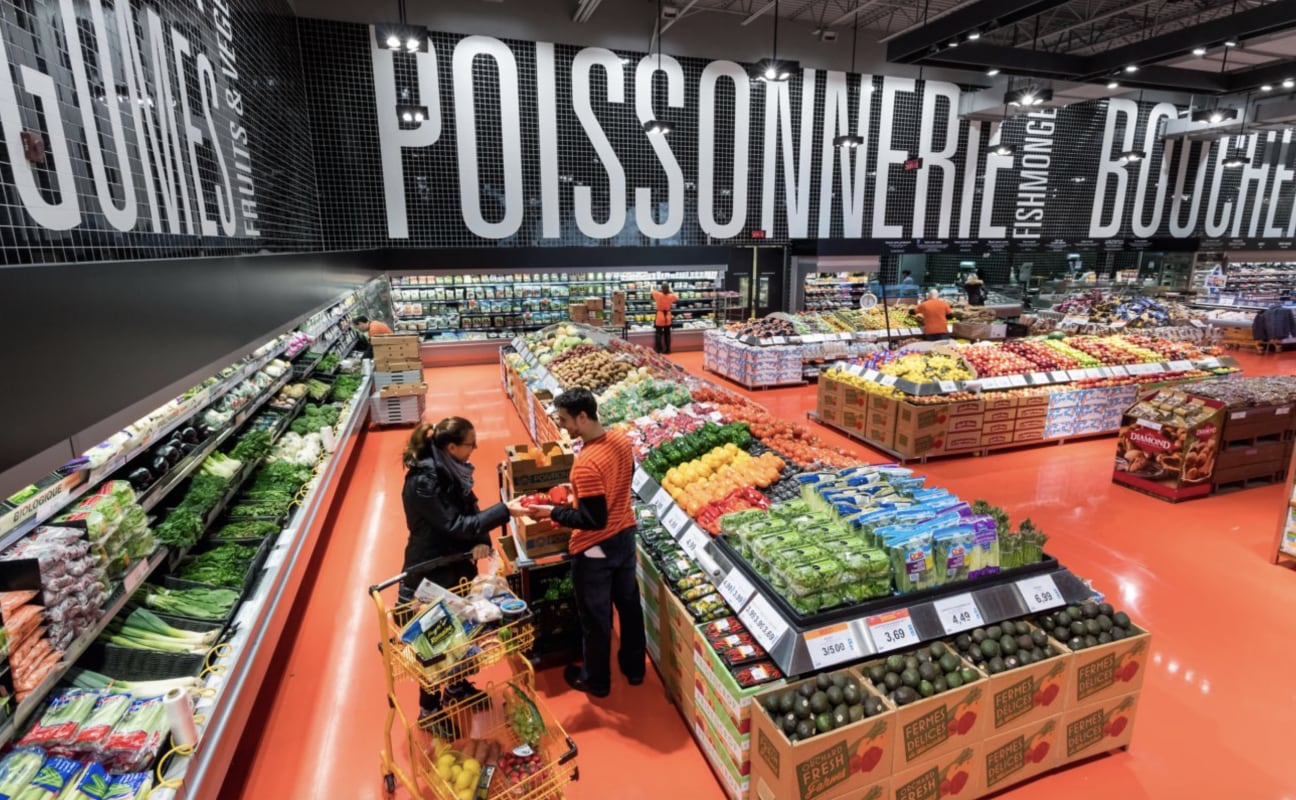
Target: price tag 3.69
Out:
[1040,593]
[834,644]
[958,613]
[892,631]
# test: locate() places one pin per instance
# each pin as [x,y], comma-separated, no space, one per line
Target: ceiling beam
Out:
[1066,66]
[755,15]
[983,15]
[670,22]
[958,7]
[1242,25]
[1250,79]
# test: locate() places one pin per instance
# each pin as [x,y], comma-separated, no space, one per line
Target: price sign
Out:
[888,380]
[892,631]
[1060,376]
[1180,366]
[870,374]
[948,386]
[856,369]
[1017,380]
[662,502]
[694,542]
[765,624]
[994,383]
[1196,323]
[779,340]
[1040,378]
[1040,593]
[640,479]
[675,520]
[764,342]
[736,589]
[958,613]
[834,644]
[730,335]
[1210,363]
[1121,369]
[50,507]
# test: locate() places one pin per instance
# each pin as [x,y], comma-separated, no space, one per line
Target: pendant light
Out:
[1240,160]
[851,141]
[400,36]
[654,127]
[772,70]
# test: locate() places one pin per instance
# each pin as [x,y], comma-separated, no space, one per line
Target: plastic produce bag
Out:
[58,726]
[52,779]
[134,743]
[17,770]
[133,786]
[108,711]
[91,784]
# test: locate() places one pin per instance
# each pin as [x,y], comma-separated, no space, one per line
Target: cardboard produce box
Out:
[1025,695]
[577,312]
[1108,670]
[1096,728]
[1168,444]
[594,304]
[729,700]
[542,537]
[535,469]
[618,300]
[385,364]
[942,723]
[1019,754]
[395,346]
[832,764]
[403,390]
[957,773]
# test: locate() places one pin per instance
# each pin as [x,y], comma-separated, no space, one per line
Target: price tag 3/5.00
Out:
[834,644]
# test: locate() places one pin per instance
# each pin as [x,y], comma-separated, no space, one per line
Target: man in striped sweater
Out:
[602,546]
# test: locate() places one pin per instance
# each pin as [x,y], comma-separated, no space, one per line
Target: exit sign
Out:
[758,234]
[912,164]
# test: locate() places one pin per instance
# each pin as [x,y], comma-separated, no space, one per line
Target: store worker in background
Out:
[935,316]
[665,301]
[602,546]
[369,329]
[975,288]
[907,286]
[444,518]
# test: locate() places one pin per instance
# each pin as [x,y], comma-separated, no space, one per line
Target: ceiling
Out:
[1085,41]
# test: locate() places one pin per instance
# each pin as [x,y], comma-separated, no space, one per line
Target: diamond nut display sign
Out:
[1168,444]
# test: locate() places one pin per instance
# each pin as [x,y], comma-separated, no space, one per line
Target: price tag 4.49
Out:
[834,644]
[958,613]
[892,631]
[1040,593]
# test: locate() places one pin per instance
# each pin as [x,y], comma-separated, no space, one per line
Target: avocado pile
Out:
[926,672]
[820,705]
[1088,625]
[1005,646]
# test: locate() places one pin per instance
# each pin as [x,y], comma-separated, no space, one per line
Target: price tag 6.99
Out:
[640,478]
[892,631]
[765,624]
[736,589]
[1040,593]
[958,613]
[675,521]
[834,644]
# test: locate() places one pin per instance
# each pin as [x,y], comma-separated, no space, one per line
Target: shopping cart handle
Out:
[421,568]
[571,752]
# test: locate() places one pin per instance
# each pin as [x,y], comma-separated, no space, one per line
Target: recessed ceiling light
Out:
[1113,85]
[1230,43]
[974,35]
[993,71]
[1199,51]
[1289,83]
[953,44]
[1132,68]
[1267,88]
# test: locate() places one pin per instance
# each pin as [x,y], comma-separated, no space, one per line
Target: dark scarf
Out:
[460,471]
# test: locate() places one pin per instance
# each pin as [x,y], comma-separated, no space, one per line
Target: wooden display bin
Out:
[535,469]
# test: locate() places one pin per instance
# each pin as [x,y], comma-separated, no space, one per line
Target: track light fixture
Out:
[1133,156]
[1028,97]
[772,69]
[1214,115]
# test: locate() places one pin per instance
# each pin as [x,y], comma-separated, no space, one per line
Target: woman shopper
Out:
[665,301]
[444,518]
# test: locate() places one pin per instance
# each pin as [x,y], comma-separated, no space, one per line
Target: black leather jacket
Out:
[444,519]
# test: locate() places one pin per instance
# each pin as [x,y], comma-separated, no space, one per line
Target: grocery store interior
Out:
[948,351]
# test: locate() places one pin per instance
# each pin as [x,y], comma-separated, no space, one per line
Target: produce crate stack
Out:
[533,470]
[400,395]
[1255,446]
[751,366]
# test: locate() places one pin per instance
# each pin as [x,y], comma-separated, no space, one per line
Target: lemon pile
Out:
[459,773]
[928,368]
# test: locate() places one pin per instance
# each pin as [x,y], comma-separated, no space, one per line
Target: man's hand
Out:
[540,512]
[516,509]
[481,551]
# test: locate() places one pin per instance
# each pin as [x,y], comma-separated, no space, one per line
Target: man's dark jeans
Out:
[603,584]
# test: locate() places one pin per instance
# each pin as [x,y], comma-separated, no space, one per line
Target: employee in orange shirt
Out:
[602,546]
[664,300]
[370,328]
[935,316]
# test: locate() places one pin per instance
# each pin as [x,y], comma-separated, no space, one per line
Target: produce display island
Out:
[777,570]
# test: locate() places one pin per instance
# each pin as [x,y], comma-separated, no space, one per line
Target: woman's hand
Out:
[515,508]
[481,551]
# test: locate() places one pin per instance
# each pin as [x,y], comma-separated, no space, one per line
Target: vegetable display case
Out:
[973,399]
[262,576]
[1037,663]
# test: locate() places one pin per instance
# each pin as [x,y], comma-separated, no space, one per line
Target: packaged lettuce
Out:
[984,557]
[954,546]
[913,562]
[434,632]
[813,577]
[865,563]
[17,770]
[58,726]
[800,554]
[133,786]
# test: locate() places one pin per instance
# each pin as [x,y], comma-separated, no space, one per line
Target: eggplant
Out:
[141,479]
[187,447]
[169,453]
[159,465]
[189,434]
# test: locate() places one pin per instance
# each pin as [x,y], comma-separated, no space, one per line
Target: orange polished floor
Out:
[1214,721]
